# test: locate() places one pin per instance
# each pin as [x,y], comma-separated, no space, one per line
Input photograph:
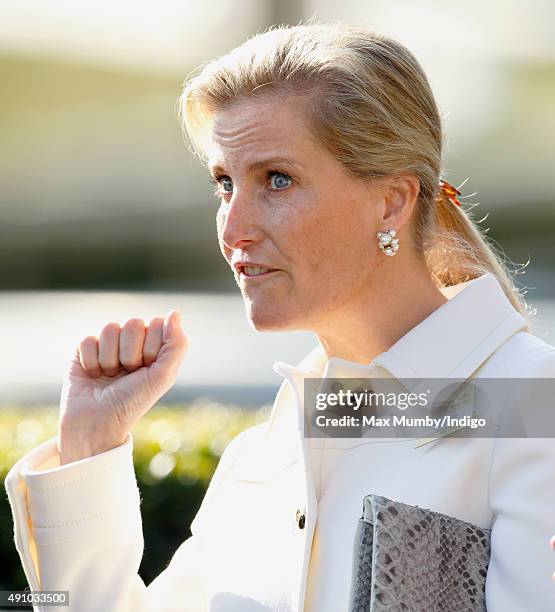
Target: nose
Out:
[238,223]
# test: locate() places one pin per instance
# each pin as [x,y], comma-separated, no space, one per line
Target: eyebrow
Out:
[218,168]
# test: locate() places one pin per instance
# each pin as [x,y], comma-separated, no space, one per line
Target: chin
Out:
[270,318]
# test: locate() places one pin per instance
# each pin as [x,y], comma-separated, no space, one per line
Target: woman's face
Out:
[297,231]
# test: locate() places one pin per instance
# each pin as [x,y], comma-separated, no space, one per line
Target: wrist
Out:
[72,447]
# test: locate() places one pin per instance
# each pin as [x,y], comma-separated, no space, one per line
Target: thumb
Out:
[162,372]
[172,326]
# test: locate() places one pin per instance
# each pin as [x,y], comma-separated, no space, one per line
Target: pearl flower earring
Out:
[387,242]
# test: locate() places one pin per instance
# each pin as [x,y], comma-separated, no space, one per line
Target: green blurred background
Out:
[175,452]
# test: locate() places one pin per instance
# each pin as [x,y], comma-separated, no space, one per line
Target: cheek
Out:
[326,247]
[296,230]
[339,243]
[220,219]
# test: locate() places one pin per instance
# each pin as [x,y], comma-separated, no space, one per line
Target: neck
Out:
[388,307]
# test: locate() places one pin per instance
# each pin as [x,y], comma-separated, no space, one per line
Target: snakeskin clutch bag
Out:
[407,558]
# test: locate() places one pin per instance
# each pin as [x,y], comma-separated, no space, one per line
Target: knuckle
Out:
[110,327]
[156,320]
[134,324]
[88,341]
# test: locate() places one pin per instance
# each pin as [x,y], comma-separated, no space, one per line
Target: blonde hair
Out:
[371,107]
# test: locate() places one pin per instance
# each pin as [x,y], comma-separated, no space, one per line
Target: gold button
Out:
[301,518]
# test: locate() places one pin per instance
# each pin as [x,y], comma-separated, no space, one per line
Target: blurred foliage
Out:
[175,450]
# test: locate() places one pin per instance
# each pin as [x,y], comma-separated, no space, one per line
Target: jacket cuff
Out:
[78,498]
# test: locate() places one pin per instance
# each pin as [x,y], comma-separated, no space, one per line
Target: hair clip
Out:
[450,192]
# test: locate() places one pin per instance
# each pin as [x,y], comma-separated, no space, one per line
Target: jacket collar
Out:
[452,342]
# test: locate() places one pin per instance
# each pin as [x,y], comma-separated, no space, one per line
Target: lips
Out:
[252,269]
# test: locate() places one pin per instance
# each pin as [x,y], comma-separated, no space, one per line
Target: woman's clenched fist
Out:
[114,379]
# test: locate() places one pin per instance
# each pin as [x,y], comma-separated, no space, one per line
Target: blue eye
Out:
[227,184]
[278,180]
[224,185]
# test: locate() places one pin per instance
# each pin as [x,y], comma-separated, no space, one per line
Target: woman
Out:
[317,138]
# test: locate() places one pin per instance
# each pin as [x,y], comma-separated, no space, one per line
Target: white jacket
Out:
[78,526]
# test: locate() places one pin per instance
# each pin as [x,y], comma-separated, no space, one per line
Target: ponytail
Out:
[456,250]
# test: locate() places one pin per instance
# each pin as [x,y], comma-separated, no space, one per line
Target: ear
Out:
[400,195]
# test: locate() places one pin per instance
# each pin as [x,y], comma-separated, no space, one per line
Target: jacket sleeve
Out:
[78,528]
[522,498]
